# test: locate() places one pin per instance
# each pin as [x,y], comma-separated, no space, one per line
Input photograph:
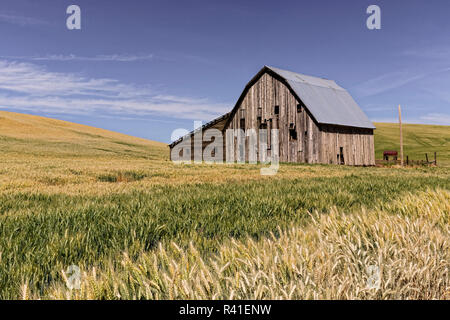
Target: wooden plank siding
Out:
[218,126]
[357,144]
[314,143]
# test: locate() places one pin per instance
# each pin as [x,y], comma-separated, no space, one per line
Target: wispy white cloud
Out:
[436,118]
[21,20]
[397,79]
[96,58]
[386,82]
[372,107]
[27,86]
[428,52]
[438,87]
[431,118]
[430,61]
[168,57]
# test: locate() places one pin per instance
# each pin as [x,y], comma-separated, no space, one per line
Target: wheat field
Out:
[141,227]
[407,242]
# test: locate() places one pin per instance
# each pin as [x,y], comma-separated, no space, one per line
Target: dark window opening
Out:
[341,156]
[293,134]
[306,134]
[242,126]
[276,110]
[299,108]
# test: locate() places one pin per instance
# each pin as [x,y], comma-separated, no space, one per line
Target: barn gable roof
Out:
[326,101]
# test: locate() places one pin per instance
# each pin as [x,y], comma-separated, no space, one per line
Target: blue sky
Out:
[146,68]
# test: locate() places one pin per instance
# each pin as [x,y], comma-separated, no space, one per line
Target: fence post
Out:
[407,160]
[435,159]
[426,156]
[401,134]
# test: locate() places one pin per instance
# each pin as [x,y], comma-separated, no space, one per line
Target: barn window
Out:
[341,155]
[242,126]
[292,131]
[299,108]
[276,110]
[293,134]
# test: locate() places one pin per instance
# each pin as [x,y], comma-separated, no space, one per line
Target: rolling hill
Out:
[418,139]
[34,135]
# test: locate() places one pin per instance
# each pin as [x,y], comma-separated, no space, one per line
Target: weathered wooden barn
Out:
[318,121]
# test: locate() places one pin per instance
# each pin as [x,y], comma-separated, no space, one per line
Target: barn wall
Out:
[265,94]
[315,143]
[357,144]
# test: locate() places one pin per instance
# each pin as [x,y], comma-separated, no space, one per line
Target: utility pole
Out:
[401,134]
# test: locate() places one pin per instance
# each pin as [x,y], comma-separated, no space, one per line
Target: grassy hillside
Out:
[23,134]
[75,195]
[418,139]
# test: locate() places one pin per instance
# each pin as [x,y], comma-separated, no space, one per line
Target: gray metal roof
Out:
[328,102]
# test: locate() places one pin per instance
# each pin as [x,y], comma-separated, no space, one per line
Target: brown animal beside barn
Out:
[318,121]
